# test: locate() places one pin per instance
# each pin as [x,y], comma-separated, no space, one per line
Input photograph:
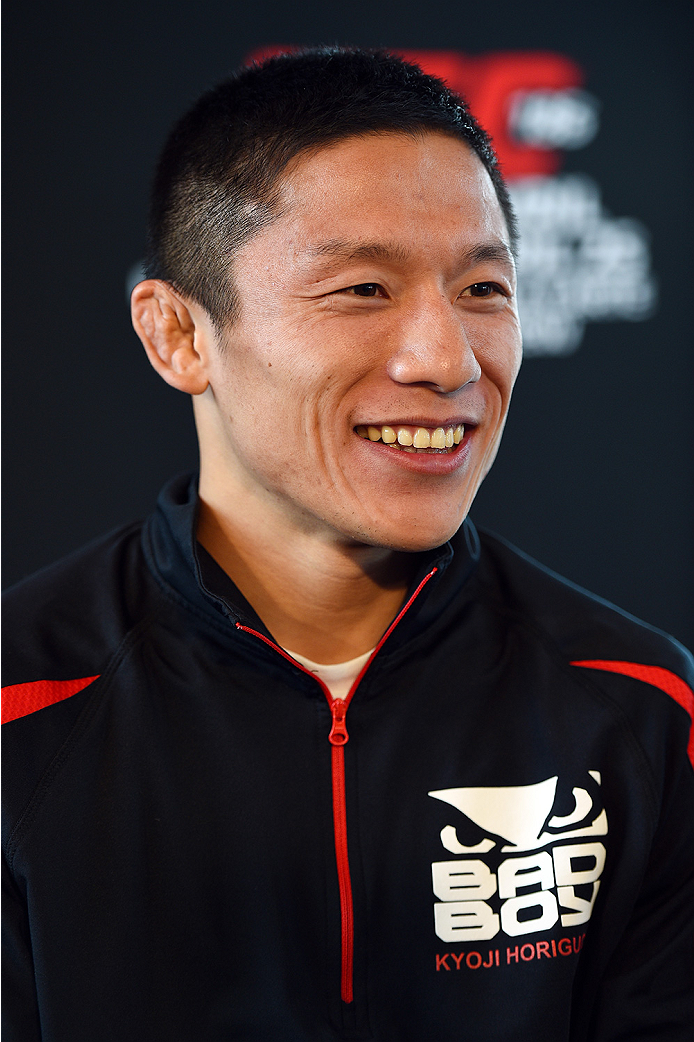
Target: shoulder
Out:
[641,671]
[64,630]
[581,624]
[64,622]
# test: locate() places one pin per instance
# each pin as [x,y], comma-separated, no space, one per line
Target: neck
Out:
[324,599]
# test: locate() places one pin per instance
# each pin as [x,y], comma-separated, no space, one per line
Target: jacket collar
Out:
[181,564]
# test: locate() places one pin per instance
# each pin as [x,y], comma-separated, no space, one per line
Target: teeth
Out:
[441,438]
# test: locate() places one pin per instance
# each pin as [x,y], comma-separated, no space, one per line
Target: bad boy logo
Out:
[525,892]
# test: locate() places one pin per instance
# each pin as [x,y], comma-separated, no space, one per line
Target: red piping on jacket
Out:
[666,680]
[338,738]
[22,699]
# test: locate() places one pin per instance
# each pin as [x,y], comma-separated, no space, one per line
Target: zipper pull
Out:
[338,733]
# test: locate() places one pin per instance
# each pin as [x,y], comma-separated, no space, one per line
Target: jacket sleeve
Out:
[20,1015]
[647,991]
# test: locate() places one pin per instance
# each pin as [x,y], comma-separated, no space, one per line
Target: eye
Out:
[482,289]
[365,289]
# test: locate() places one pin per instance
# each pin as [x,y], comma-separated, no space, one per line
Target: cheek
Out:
[499,356]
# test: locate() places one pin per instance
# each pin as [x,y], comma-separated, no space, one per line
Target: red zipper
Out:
[338,738]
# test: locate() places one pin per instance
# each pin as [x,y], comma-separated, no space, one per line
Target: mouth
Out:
[413,439]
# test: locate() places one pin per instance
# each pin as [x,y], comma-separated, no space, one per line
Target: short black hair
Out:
[216,183]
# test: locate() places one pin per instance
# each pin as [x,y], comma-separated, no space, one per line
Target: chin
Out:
[421,545]
[414,539]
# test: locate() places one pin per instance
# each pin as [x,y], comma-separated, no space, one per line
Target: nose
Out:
[434,349]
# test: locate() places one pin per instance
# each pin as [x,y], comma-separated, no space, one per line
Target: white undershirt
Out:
[338,677]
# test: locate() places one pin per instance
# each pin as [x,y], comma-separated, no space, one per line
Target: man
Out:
[303,757]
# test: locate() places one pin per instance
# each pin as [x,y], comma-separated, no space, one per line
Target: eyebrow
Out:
[345,249]
[349,250]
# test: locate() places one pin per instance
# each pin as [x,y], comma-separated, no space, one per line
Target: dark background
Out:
[595,475]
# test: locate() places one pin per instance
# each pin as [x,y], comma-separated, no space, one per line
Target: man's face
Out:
[377,311]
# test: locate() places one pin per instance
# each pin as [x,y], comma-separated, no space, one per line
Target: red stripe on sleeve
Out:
[667,681]
[23,699]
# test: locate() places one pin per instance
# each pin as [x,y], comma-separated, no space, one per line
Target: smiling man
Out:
[304,757]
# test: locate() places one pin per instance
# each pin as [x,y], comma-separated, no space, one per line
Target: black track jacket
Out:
[495,843]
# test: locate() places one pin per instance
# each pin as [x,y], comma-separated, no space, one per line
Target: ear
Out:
[175,343]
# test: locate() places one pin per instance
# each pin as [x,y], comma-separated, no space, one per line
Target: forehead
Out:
[390,185]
